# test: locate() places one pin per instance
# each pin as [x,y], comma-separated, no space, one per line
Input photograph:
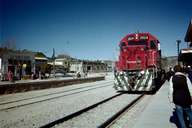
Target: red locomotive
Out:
[138,64]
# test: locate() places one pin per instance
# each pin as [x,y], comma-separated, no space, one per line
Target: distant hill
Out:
[167,62]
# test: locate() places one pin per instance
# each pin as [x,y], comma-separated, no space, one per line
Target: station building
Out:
[188,36]
[20,63]
[88,66]
[186,54]
[110,65]
[61,63]
[40,62]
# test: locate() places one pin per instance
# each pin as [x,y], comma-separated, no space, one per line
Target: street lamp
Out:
[178,44]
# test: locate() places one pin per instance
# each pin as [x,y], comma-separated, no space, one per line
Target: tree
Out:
[40,54]
[9,44]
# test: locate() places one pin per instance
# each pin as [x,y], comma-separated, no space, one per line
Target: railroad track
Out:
[47,97]
[75,114]
[107,123]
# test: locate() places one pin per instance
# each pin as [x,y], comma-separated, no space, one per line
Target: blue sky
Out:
[92,29]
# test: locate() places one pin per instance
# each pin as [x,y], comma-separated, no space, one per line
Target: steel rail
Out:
[109,122]
[25,104]
[75,114]
[48,94]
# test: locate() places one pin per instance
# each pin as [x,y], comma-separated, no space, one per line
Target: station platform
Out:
[68,77]
[159,113]
[29,85]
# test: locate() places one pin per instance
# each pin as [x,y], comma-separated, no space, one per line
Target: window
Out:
[123,44]
[131,38]
[152,44]
[141,42]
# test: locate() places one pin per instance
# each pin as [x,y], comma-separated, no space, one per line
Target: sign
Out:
[143,37]
[130,38]
[186,50]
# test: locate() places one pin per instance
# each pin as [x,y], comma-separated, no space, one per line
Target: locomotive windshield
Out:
[122,45]
[153,45]
[141,42]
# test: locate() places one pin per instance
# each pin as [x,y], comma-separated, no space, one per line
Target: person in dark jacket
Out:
[169,74]
[190,73]
[180,95]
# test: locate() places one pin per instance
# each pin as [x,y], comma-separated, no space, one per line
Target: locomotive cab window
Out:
[122,45]
[153,45]
[141,42]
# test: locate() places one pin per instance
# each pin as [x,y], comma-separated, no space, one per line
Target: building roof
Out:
[58,59]
[188,36]
[60,56]
[40,56]
[186,50]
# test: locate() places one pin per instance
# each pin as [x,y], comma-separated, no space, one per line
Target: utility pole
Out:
[53,57]
[178,44]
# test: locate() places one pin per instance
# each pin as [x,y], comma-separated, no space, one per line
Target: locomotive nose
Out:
[138,61]
[135,58]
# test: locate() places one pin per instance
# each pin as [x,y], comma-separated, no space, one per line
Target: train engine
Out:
[138,63]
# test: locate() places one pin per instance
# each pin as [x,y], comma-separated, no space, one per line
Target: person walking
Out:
[180,95]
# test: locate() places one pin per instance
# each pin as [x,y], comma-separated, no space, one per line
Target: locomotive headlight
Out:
[136,36]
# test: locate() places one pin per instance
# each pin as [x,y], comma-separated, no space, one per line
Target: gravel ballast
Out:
[129,119]
[48,96]
[98,115]
[36,115]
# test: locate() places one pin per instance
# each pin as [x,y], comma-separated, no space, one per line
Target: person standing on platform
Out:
[170,73]
[190,73]
[180,95]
